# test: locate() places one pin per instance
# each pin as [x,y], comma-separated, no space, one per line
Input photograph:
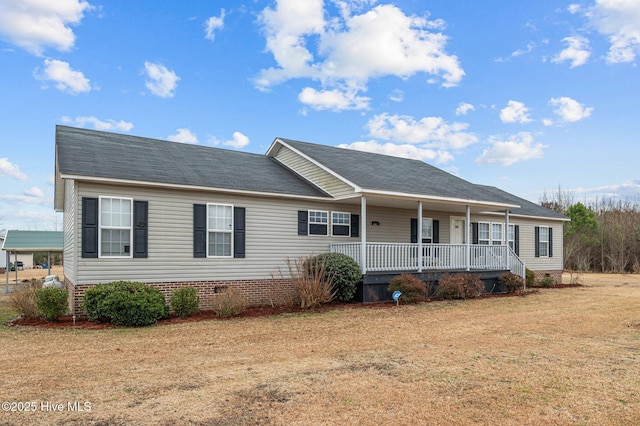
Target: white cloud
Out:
[619,20]
[161,81]
[335,99]
[7,168]
[570,110]
[212,24]
[98,124]
[430,132]
[520,52]
[397,96]
[519,147]
[184,136]
[515,112]
[577,51]
[36,24]
[464,108]
[34,192]
[547,122]
[401,150]
[574,8]
[65,78]
[348,50]
[239,141]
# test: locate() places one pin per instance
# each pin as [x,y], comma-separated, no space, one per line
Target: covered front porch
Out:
[443,237]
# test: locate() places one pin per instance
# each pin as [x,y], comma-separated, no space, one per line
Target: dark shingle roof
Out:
[97,154]
[394,174]
[527,208]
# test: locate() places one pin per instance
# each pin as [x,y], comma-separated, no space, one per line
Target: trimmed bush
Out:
[512,282]
[547,282]
[23,299]
[413,289]
[343,272]
[125,303]
[531,277]
[459,286]
[185,301]
[52,302]
[230,303]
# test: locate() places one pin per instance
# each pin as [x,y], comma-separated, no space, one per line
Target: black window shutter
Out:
[355,225]
[238,232]
[140,230]
[550,242]
[436,231]
[537,241]
[303,222]
[516,239]
[89,227]
[414,230]
[475,239]
[199,230]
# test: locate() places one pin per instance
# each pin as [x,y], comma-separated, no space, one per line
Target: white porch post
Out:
[419,236]
[506,237]
[363,234]
[467,236]
[8,270]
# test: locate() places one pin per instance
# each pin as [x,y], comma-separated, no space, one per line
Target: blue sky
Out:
[526,96]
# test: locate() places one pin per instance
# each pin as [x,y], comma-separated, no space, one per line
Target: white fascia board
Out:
[559,219]
[439,199]
[192,187]
[323,167]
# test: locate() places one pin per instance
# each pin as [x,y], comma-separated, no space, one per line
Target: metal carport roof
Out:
[32,241]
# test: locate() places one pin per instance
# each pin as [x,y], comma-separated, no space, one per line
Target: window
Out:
[427,230]
[543,241]
[511,237]
[115,227]
[484,235]
[318,222]
[219,229]
[340,224]
[496,233]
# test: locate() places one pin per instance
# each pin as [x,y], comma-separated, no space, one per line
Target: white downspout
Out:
[419,236]
[363,234]
[467,237]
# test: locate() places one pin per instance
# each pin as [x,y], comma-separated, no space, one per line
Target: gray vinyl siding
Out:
[395,224]
[69,219]
[527,241]
[271,237]
[314,173]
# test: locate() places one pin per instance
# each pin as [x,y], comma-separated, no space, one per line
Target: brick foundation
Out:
[259,292]
[556,275]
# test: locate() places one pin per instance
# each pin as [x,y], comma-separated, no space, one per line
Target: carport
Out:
[30,242]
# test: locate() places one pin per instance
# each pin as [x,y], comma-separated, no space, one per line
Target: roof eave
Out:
[444,200]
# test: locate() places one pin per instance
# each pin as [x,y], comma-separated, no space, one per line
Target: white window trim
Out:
[348,224]
[480,239]
[497,242]
[543,241]
[100,228]
[509,239]
[209,231]
[430,237]
[309,223]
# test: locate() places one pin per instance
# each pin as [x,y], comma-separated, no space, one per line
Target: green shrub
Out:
[459,286]
[343,272]
[230,303]
[125,303]
[413,289]
[23,299]
[185,301]
[531,277]
[52,302]
[547,281]
[512,282]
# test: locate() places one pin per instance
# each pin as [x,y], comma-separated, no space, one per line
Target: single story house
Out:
[173,214]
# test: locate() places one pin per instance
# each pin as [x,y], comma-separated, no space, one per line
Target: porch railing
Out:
[404,257]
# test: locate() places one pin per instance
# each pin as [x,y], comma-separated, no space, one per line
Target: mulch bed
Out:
[251,312]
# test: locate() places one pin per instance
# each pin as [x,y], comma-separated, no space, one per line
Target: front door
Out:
[457,231]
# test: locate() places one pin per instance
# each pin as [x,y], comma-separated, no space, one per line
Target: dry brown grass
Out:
[561,356]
